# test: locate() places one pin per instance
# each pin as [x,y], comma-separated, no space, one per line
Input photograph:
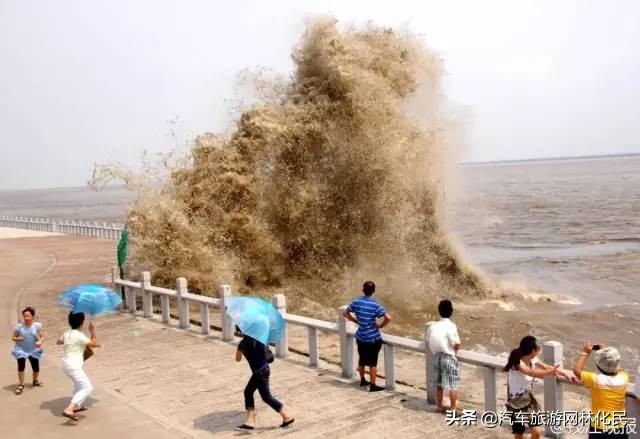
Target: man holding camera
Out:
[608,390]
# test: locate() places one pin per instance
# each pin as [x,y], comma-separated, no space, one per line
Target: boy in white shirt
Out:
[444,342]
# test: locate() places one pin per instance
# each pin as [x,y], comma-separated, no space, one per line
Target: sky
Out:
[87,81]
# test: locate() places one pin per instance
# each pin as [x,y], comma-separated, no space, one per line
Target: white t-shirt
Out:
[442,336]
[519,383]
[74,344]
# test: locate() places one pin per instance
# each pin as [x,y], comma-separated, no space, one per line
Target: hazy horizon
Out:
[88,82]
[493,162]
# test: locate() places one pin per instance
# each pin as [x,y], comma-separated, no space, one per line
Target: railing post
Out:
[553,389]
[490,390]
[114,276]
[227,323]
[282,346]
[204,318]
[346,345]
[183,304]
[54,226]
[131,300]
[389,367]
[431,388]
[314,351]
[164,305]
[147,298]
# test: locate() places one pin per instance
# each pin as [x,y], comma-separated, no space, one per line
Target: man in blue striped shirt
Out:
[367,310]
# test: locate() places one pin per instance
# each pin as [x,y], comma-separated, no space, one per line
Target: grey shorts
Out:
[445,371]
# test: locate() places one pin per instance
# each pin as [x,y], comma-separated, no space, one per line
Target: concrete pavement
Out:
[36,413]
[155,380]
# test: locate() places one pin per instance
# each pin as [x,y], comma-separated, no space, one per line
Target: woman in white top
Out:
[523,367]
[75,343]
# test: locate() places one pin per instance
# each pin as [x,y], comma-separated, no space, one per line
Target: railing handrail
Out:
[64,226]
[321,325]
[465,356]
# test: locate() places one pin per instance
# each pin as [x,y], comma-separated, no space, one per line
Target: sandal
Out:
[245,427]
[285,424]
[80,409]
[19,389]
[71,416]
[37,383]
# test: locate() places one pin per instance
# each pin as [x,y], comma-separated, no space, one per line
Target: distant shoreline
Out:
[465,164]
[552,159]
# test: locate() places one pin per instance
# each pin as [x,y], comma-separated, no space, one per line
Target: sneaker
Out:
[364,382]
[374,388]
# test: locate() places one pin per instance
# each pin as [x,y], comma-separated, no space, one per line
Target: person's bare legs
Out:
[361,372]
[20,386]
[373,374]
[286,417]
[70,410]
[439,398]
[250,418]
[453,399]
[35,376]
[535,432]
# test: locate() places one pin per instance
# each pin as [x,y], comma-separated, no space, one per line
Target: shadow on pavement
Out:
[57,406]
[226,421]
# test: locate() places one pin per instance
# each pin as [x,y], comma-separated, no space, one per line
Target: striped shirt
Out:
[366,310]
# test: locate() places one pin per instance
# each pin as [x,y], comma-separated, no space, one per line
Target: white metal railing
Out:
[552,350]
[65,227]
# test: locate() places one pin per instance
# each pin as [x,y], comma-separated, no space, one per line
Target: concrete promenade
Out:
[153,380]
[26,268]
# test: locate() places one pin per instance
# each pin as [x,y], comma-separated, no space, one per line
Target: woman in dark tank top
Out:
[256,355]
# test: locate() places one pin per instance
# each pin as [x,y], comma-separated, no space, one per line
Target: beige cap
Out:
[608,359]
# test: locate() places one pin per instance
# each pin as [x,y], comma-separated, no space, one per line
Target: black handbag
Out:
[268,354]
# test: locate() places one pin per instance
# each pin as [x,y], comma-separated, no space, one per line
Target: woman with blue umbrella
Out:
[260,324]
[91,299]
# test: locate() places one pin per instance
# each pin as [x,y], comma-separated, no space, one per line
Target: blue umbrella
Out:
[256,318]
[92,299]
